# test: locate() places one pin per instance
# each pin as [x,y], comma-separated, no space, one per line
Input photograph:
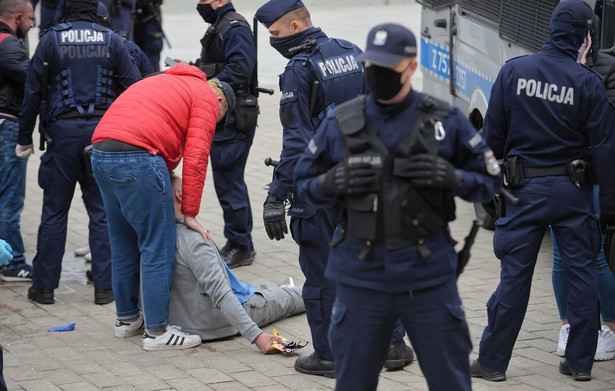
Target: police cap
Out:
[575,12]
[388,44]
[273,10]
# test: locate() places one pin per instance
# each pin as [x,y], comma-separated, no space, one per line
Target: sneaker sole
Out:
[15,279]
[171,347]
[606,356]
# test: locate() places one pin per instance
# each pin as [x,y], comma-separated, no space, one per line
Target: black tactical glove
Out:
[274,218]
[351,179]
[426,170]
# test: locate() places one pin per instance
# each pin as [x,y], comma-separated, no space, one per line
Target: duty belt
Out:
[535,172]
[96,113]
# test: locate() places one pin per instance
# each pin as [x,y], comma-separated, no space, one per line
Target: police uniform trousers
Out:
[363,320]
[313,234]
[228,161]
[568,209]
[62,167]
[148,36]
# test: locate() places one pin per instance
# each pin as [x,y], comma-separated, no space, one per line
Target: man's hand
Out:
[426,170]
[5,253]
[347,179]
[24,151]
[192,223]
[265,343]
[274,218]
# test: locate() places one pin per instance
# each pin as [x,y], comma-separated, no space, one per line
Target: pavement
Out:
[92,358]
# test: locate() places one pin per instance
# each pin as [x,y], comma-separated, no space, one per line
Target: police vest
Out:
[84,82]
[212,58]
[333,62]
[394,214]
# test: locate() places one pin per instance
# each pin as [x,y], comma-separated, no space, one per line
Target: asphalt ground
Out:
[92,358]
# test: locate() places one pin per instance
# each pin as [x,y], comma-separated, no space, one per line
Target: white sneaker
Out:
[81,251]
[562,340]
[88,257]
[606,344]
[125,329]
[172,339]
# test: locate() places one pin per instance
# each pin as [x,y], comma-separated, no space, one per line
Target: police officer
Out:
[51,12]
[545,112]
[393,161]
[321,71]
[121,14]
[229,54]
[147,30]
[88,67]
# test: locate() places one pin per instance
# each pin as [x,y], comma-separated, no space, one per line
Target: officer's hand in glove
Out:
[426,170]
[5,253]
[347,179]
[274,218]
[24,151]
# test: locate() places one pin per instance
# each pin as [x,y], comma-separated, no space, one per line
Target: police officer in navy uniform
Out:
[88,67]
[545,112]
[392,161]
[321,71]
[229,54]
[121,15]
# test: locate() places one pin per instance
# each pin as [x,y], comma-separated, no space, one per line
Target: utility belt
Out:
[395,243]
[96,113]
[579,171]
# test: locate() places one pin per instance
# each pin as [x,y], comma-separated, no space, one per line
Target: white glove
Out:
[24,151]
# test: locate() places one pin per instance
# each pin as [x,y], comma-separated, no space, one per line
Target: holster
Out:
[87,159]
[513,173]
[246,113]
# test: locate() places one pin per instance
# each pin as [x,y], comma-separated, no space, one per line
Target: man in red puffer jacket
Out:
[140,139]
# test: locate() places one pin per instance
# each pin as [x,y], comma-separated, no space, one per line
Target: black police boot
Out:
[103,296]
[236,257]
[89,275]
[314,365]
[399,356]
[486,373]
[41,295]
[565,369]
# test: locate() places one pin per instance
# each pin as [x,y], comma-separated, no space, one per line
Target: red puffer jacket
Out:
[172,114]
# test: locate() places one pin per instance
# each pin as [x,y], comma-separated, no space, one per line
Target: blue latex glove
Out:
[70,327]
[5,253]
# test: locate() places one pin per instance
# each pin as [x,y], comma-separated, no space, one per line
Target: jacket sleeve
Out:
[295,86]
[15,61]
[200,133]
[125,67]
[240,54]
[206,264]
[495,128]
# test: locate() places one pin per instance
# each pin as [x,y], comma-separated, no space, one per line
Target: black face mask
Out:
[283,44]
[206,11]
[383,83]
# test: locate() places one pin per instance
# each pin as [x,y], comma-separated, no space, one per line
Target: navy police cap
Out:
[388,44]
[274,9]
[575,12]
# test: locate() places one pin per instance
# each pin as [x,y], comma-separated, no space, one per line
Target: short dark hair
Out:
[9,8]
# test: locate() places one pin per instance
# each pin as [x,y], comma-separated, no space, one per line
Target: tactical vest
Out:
[333,62]
[85,83]
[212,59]
[394,214]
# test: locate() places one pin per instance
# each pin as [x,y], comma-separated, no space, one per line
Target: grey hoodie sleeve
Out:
[207,266]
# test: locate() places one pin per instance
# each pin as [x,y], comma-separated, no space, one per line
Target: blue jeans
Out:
[136,190]
[606,282]
[12,191]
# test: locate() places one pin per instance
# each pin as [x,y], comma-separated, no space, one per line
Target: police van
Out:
[465,42]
